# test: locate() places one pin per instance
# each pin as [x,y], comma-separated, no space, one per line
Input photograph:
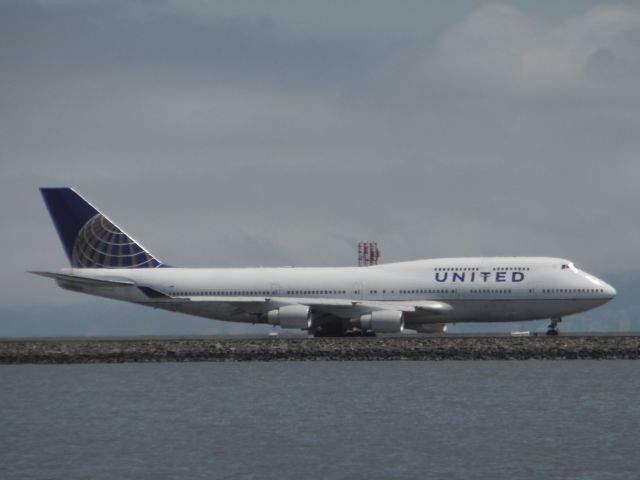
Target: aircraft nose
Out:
[608,291]
[604,289]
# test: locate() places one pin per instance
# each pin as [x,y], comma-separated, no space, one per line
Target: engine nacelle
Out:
[383,321]
[431,328]
[291,316]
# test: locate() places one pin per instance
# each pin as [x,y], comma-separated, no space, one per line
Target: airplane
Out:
[421,295]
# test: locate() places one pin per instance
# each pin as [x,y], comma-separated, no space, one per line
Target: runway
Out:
[230,349]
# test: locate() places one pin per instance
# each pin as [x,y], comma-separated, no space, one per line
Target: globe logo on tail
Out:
[100,244]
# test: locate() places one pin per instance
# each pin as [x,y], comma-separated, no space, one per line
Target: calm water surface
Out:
[551,420]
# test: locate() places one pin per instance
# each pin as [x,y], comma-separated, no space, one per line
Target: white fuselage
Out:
[476,289]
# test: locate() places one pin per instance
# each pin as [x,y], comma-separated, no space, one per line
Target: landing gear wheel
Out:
[552,329]
[328,330]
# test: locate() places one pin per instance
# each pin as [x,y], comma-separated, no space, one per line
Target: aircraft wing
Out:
[352,308]
[339,307]
[433,306]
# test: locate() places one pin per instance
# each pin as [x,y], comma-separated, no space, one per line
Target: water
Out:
[564,420]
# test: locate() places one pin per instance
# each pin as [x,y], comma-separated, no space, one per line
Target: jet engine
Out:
[383,321]
[291,316]
[431,328]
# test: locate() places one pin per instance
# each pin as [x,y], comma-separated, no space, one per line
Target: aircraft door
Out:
[356,291]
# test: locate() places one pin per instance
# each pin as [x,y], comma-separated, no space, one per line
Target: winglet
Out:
[89,238]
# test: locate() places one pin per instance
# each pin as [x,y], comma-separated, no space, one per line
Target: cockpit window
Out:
[565,266]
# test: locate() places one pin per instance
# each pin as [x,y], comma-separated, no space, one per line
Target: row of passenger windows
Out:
[409,292]
[406,292]
[316,292]
[235,293]
[477,269]
[262,293]
[573,290]
[457,269]
[489,290]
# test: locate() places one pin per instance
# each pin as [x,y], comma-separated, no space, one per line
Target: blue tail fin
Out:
[89,238]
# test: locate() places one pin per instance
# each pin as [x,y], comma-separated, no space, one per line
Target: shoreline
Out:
[215,349]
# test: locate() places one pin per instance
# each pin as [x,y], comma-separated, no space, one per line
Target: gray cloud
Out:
[252,135]
[498,47]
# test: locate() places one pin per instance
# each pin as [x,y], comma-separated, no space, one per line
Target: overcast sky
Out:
[244,133]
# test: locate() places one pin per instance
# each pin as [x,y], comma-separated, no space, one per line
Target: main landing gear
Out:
[337,331]
[552,329]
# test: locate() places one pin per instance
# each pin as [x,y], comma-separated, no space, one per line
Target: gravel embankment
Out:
[305,349]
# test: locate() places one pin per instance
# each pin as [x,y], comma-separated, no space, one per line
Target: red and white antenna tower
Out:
[368,254]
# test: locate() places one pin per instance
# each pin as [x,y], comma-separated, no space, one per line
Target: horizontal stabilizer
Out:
[94,282]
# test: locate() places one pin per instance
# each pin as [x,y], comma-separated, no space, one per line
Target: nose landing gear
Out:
[552,329]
